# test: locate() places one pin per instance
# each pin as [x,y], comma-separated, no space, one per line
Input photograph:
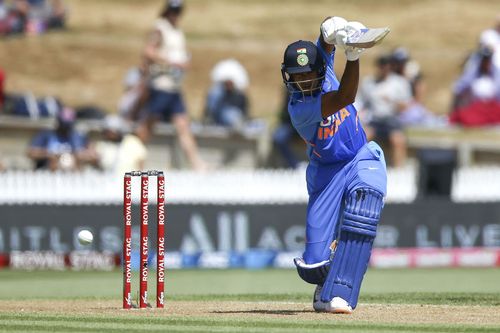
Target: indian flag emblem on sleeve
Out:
[302,50]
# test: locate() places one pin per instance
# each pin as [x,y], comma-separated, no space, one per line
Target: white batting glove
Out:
[353,53]
[330,27]
[353,30]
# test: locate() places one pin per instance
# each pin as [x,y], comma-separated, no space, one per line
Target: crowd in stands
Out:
[393,99]
[31,16]
[388,101]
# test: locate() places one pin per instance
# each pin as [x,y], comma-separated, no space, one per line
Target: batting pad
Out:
[357,233]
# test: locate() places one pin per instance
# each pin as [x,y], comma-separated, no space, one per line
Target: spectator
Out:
[480,80]
[4,18]
[131,103]
[108,147]
[61,149]
[284,135]
[18,17]
[382,97]
[133,152]
[57,13]
[31,16]
[167,59]
[227,103]
[476,98]
[490,38]
[415,113]
[118,152]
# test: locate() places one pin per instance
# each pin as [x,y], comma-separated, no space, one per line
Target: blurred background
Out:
[86,96]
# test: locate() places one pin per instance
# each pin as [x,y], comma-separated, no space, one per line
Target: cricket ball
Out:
[85,237]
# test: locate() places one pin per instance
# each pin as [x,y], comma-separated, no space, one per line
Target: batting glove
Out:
[353,31]
[330,27]
[353,53]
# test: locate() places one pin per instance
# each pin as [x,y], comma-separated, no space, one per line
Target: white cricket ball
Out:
[85,237]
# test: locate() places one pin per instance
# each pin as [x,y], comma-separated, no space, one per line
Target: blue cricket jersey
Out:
[334,139]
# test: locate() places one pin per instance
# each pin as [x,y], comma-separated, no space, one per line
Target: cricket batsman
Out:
[346,175]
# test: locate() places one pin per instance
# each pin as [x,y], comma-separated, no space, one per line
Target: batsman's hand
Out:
[331,27]
[352,30]
[353,53]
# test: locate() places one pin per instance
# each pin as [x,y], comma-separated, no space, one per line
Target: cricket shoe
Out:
[336,305]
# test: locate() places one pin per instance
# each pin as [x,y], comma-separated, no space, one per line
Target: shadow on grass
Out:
[268,312]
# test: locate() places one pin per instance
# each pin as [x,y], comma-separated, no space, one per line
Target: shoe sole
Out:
[341,311]
[336,311]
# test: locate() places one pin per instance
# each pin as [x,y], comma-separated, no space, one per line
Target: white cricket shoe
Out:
[336,305]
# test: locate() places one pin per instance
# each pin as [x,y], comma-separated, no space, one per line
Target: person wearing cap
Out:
[490,38]
[166,59]
[63,148]
[476,94]
[226,102]
[480,79]
[382,97]
[415,112]
[119,151]
[346,175]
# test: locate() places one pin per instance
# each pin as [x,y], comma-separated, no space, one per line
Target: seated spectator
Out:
[133,152]
[31,16]
[57,12]
[18,17]
[490,38]
[480,80]
[4,18]
[476,99]
[118,152]
[380,100]
[227,103]
[107,148]
[61,149]
[415,113]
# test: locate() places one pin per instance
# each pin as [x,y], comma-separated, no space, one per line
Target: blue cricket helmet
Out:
[303,57]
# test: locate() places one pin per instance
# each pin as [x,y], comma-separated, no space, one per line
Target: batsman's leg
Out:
[361,216]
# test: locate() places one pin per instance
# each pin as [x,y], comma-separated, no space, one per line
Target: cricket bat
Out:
[368,37]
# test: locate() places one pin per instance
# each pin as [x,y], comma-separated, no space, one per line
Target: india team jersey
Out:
[334,139]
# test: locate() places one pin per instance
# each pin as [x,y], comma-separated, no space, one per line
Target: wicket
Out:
[127,241]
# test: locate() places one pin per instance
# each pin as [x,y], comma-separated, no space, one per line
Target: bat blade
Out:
[368,37]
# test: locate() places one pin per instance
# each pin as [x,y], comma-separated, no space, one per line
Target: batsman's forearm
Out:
[336,100]
[349,82]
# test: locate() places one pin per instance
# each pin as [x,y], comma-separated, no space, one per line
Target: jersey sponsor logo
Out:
[329,126]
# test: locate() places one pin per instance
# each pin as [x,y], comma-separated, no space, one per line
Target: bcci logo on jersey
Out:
[329,126]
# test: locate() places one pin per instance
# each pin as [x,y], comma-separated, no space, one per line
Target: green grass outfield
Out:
[250,301]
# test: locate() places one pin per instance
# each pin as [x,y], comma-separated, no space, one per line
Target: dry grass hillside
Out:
[86,64]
